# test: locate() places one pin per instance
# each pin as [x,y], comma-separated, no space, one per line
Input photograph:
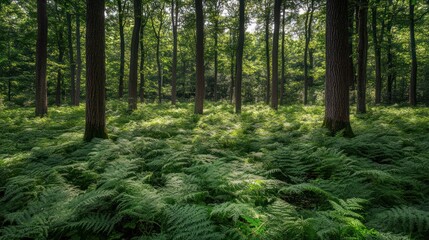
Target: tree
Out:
[275,55]
[337,72]
[174,22]
[71,59]
[239,58]
[200,85]
[121,6]
[307,32]
[267,5]
[362,56]
[283,80]
[158,36]
[95,126]
[413,79]
[132,84]
[78,60]
[142,54]
[41,59]
[377,54]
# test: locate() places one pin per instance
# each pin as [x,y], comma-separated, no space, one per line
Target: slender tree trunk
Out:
[390,67]
[122,45]
[132,84]
[351,65]
[142,64]
[232,66]
[240,48]
[71,60]
[362,56]
[200,85]
[413,79]
[337,72]
[78,60]
[157,33]
[59,71]
[9,64]
[216,64]
[174,22]
[275,55]
[283,81]
[267,53]
[41,59]
[308,24]
[95,126]
[377,54]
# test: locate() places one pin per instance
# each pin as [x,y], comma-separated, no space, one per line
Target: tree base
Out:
[335,127]
[95,133]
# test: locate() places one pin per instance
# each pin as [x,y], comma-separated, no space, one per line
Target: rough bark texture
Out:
[337,72]
[78,61]
[134,56]
[200,84]
[283,80]
[377,54]
[122,45]
[413,79]
[362,56]
[71,60]
[174,21]
[95,126]
[275,56]
[239,58]
[267,51]
[41,59]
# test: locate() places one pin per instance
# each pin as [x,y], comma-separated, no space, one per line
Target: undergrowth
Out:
[168,174]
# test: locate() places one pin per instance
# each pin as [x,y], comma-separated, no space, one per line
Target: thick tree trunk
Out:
[60,43]
[174,22]
[283,80]
[362,56]
[267,53]
[275,55]
[377,54]
[239,58]
[95,126]
[413,79]
[122,45]
[41,59]
[71,60]
[78,60]
[337,72]
[200,84]
[132,84]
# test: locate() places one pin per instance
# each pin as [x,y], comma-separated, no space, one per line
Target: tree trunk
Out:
[134,56]
[200,84]
[41,59]
[275,55]
[337,72]
[267,53]
[308,23]
[60,41]
[362,56]
[389,63]
[351,66]
[78,60]
[232,66]
[413,80]
[216,64]
[142,62]
[71,60]
[122,43]
[174,22]
[283,81]
[377,54]
[95,126]
[239,58]
[157,33]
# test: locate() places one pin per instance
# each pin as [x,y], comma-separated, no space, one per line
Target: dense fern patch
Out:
[168,174]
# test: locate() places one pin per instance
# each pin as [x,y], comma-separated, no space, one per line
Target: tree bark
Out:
[95,126]
[60,43]
[78,60]
[267,51]
[275,55]
[157,33]
[337,72]
[142,62]
[351,66]
[174,22]
[390,67]
[413,79]
[308,26]
[283,80]
[239,58]
[232,65]
[377,54]
[41,59]
[122,46]
[362,56]
[200,84]
[71,60]
[132,84]
[216,63]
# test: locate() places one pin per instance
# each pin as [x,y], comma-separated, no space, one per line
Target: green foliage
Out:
[168,174]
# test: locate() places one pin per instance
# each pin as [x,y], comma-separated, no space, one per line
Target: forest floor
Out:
[168,174]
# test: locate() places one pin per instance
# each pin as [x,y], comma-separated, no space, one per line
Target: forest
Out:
[214,119]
